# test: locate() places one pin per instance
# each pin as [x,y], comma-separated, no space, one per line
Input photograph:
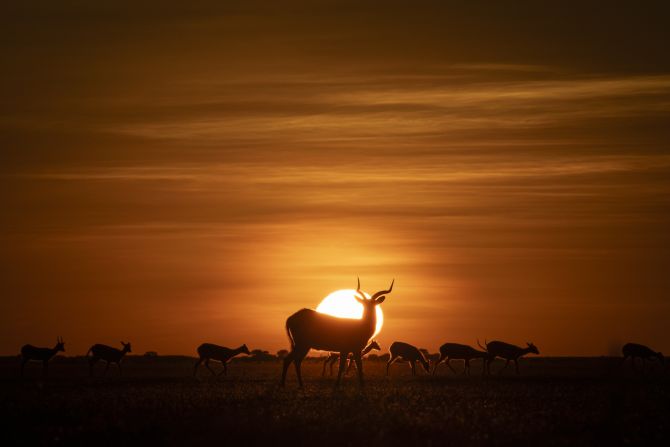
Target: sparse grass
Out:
[557,401]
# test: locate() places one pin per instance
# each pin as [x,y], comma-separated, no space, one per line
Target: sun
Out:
[342,303]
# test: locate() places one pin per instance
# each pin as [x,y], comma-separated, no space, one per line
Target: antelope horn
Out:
[358,289]
[383,292]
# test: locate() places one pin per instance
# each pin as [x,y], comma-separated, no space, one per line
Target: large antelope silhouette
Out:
[108,354]
[506,351]
[209,351]
[335,356]
[636,350]
[409,353]
[30,352]
[456,351]
[308,329]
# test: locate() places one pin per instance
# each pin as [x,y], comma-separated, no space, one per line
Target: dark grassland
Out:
[556,401]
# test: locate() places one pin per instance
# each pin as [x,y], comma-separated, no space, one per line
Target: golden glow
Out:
[342,303]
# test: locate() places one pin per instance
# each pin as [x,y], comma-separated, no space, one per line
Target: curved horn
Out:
[383,292]
[358,289]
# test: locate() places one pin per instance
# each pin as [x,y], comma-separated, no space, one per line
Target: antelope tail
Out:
[290,337]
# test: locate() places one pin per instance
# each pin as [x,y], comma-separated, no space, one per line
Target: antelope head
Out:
[375,300]
[60,344]
[126,346]
[244,349]
[532,348]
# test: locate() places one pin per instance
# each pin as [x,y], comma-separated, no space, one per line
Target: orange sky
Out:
[178,175]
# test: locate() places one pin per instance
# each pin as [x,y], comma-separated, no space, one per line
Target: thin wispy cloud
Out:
[367,110]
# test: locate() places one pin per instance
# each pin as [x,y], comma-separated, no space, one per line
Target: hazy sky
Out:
[175,175]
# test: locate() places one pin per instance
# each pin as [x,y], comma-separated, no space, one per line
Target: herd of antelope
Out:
[95,353]
[346,340]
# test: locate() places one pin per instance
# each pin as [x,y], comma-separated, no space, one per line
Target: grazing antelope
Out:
[406,352]
[30,352]
[209,351]
[506,351]
[108,354]
[635,350]
[455,351]
[334,356]
[308,329]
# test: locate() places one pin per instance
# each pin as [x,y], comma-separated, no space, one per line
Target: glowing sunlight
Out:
[342,303]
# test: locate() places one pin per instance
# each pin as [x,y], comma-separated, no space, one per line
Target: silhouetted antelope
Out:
[506,351]
[108,354]
[455,351]
[30,352]
[307,329]
[209,351]
[334,356]
[409,353]
[636,350]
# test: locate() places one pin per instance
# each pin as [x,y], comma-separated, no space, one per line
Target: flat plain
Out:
[555,401]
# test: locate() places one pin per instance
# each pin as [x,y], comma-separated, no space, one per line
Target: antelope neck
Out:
[370,316]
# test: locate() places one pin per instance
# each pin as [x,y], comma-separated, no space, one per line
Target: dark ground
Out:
[556,401]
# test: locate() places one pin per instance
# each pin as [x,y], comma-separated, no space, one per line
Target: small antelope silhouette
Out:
[408,353]
[30,352]
[335,356]
[308,329]
[506,351]
[456,351]
[209,351]
[636,350]
[108,354]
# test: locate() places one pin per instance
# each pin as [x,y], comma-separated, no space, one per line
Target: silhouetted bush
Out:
[258,355]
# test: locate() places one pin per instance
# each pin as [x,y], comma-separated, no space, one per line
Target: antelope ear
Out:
[380,299]
[359,299]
